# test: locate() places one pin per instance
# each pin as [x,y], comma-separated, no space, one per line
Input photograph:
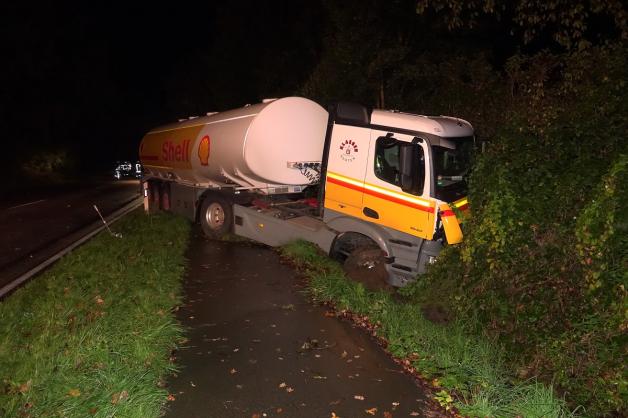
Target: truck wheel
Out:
[164,203]
[153,196]
[216,216]
[367,265]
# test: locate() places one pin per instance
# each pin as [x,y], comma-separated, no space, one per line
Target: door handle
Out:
[370,213]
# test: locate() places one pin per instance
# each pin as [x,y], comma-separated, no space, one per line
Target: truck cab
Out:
[395,177]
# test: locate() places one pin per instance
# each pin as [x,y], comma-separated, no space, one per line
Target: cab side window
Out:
[388,161]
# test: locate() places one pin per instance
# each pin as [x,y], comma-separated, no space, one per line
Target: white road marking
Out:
[26,204]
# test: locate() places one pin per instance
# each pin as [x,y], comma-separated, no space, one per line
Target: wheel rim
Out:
[215,216]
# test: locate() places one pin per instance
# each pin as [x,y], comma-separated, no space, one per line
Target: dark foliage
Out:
[543,269]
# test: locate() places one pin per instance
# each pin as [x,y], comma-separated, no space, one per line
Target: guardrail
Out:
[90,231]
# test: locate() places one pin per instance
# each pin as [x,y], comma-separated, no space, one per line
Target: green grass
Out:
[92,335]
[467,371]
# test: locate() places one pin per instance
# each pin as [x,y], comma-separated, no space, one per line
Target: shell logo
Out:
[203,150]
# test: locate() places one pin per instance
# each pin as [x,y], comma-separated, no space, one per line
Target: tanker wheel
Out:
[216,216]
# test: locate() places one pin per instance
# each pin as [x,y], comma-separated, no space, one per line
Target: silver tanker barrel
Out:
[273,147]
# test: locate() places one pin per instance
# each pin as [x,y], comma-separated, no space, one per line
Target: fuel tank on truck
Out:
[267,146]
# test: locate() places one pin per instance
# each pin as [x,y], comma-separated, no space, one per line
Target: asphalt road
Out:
[37,224]
[259,348]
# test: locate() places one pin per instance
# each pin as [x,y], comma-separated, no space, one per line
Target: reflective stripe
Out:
[380,192]
[462,204]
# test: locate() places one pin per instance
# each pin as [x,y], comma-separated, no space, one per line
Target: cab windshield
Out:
[451,168]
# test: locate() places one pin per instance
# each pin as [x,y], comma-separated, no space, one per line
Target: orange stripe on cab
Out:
[380,195]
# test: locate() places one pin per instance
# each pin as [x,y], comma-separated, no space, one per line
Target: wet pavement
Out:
[259,348]
[36,224]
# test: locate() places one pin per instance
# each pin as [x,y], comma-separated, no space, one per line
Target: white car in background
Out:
[127,169]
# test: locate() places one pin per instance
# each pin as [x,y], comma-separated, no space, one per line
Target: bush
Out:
[544,263]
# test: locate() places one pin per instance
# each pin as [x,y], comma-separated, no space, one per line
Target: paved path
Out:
[257,347]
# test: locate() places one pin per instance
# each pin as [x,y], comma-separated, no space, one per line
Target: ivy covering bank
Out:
[544,265]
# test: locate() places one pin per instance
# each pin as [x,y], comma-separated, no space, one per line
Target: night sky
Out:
[92,77]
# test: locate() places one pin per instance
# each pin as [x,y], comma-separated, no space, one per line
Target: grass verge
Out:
[92,335]
[466,372]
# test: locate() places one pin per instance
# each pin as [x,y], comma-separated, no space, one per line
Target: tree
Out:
[570,23]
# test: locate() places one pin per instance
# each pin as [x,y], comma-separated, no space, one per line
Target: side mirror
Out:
[409,168]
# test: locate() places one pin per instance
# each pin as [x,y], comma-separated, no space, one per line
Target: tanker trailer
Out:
[386,180]
[270,148]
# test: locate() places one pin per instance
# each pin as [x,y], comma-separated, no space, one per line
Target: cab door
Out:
[384,201]
[346,166]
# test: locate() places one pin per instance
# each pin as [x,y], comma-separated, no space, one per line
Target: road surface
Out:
[36,225]
[259,348]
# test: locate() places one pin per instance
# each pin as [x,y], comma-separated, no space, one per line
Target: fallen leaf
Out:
[170,397]
[344,354]
[371,411]
[74,393]
[256,415]
[192,384]
[289,389]
[25,387]
[279,410]
[387,414]
[333,415]
[233,371]
[414,414]
[99,300]
[282,385]
[119,397]
[358,397]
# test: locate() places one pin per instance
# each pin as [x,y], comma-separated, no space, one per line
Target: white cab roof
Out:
[443,126]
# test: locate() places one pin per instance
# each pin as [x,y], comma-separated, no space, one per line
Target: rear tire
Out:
[216,216]
[154,199]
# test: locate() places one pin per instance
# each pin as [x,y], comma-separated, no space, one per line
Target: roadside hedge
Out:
[544,266]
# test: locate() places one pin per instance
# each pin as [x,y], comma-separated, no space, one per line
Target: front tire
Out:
[367,265]
[216,216]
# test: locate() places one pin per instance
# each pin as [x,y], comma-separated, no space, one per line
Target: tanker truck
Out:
[376,186]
